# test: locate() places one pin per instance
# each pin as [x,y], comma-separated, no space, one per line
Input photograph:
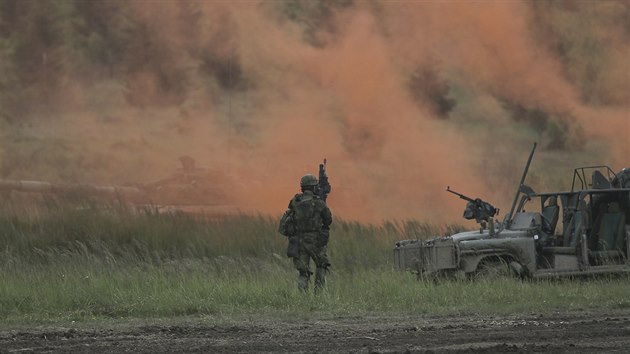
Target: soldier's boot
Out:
[303,282]
[320,279]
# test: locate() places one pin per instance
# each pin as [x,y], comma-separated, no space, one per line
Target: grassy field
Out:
[75,264]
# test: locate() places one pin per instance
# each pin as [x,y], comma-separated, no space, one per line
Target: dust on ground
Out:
[560,332]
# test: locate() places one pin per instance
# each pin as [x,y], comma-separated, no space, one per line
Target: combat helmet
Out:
[308,180]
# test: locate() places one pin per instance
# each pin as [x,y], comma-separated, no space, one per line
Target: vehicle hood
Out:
[470,235]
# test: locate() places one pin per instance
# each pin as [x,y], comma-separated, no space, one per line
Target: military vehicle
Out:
[189,189]
[585,230]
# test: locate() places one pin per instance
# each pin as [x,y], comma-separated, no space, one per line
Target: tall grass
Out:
[75,263]
[116,235]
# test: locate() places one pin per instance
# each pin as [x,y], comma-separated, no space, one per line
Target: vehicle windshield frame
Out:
[579,175]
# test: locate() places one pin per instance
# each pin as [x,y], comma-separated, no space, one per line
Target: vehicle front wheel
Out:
[498,269]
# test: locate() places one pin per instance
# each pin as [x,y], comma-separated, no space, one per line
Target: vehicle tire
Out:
[518,270]
[493,270]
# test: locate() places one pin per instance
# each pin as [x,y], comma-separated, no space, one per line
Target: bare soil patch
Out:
[558,332]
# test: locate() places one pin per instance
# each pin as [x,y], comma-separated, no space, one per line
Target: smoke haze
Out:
[402,98]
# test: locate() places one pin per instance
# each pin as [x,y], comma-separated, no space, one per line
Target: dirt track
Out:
[557,333]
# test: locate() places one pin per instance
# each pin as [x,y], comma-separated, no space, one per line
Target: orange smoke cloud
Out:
[347,100]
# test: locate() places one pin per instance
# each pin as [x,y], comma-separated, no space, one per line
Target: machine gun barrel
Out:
[476,208]
[461,196]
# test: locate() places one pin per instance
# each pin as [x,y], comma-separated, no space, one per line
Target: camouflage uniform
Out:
[312,223]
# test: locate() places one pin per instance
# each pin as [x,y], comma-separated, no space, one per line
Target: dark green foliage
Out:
[101,30]
[426,88]
[46,44]
[588,37]
[226,70]
[315,17]
[557,129]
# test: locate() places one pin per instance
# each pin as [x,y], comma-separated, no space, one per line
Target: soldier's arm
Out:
[326,218]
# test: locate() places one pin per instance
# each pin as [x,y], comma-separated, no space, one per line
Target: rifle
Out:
[476,208]
[323,186]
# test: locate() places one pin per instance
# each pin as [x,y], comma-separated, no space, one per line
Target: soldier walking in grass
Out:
[310,220]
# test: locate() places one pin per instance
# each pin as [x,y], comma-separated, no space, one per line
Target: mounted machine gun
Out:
[476,209]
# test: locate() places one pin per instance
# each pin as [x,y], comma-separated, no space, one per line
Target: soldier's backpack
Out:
[286,226]
[307,209]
